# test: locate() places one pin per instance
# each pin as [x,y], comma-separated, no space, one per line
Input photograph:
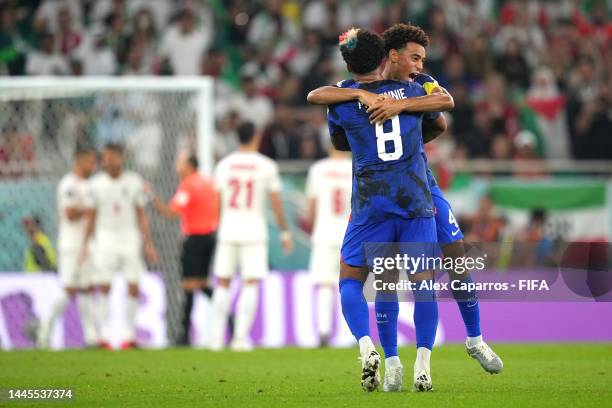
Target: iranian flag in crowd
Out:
[575,210]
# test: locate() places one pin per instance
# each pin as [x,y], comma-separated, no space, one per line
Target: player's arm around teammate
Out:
[382,107]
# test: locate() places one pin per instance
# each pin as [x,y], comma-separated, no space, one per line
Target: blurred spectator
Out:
[291,93]
[264,70]
[525,146]
[454,73]
[478,139]
[215,63]
[318,14]
[322,74]
[535,234]
[68,36]
[102,9]
[135,62]
[308,146]
[590,122]
[226,138]
[95,56]
[441,41]
[238,19]
[463,112]
[584,80]
[40,256]
[306,56]
[46,17]
[141,45]
[161,10]
[395,13]
[521,28]
[278,140]
[16,152]
[144,33]
[498,105]
[45,61]
[251,105]
[501,148]
[13,43]
[270,28]
[485,224]
[479,60]
[116,37]
[513,66]
[184,43]
[527,161]
[544,98]
[144,23]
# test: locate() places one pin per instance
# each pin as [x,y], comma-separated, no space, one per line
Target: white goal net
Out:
[43,120]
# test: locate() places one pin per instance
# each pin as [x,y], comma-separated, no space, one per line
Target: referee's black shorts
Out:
[197,255]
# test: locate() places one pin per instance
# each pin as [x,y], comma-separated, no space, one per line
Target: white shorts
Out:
[250,259]
[109,261]
[325,264]
[70,274]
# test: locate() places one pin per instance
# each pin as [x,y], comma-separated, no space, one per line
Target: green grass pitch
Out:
[534,375]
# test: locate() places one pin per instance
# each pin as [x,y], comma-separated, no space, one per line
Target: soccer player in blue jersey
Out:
[405,47]
[391,201]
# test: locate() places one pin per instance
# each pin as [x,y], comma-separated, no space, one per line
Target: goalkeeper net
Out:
[43,120]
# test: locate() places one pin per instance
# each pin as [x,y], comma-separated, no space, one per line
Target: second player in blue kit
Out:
[405,47]
[391,200]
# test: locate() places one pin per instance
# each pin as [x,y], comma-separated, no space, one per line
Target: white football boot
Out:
[393,378]
[370,377]
[422,381]
[487,358]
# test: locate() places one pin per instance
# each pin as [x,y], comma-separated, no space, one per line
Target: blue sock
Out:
[387,310]
[354,307]
[425,316]
[469,308]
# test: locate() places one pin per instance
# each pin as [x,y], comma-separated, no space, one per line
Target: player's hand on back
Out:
[369,98]
[384,109]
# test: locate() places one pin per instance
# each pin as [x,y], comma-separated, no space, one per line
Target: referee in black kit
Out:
[196,202]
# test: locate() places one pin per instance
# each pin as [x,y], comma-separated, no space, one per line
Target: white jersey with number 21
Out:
[244,180]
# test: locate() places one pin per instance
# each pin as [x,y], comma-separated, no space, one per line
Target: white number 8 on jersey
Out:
[394,135]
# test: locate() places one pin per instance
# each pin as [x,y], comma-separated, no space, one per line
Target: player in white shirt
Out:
[116,213]
[328,189]
[244,180]
[71,200]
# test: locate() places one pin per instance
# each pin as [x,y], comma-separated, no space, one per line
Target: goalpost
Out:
[32,89]
[43,120]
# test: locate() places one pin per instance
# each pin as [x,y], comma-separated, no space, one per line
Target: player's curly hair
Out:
[362,50]
[397,36]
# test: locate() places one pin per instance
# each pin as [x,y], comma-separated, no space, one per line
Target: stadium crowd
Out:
[531,78]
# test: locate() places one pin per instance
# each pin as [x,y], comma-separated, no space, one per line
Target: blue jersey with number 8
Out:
[389,172]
